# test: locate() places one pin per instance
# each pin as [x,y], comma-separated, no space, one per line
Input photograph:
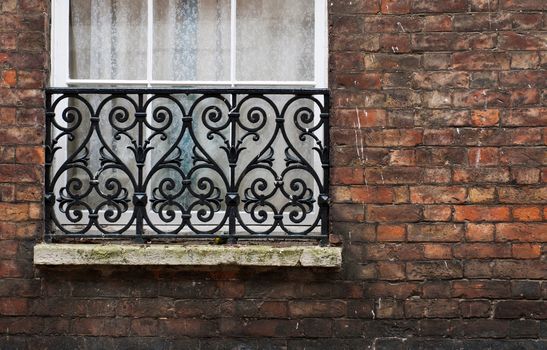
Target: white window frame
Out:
[60,77]
[60,14]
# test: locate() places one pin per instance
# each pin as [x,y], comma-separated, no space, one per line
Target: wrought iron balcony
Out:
[146,164]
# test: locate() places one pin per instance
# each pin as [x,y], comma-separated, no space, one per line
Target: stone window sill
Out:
[186,255]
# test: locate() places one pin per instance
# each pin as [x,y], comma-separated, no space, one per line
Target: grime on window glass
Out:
[188,117]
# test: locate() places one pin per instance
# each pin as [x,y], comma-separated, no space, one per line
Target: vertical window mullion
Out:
[320,54]
[149,42]
[233,41]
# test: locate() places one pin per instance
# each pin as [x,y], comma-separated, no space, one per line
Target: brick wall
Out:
[439,115]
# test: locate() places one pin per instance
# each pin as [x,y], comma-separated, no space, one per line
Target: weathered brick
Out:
[434,270]
[526,251]
[526,176]
[481,213]
[481,60]
[435,232]
[480,232]
[522,194]
[437,251]
[393,213]
[521,232]
[482,250]
[471,309]
[432,308]
[444,6]
[391,233]
[489,117]
[527,214]
[521,308]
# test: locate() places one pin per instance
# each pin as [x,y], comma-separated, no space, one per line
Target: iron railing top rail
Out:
[199,186]
[188,90]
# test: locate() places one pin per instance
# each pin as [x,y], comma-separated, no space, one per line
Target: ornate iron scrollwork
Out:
[153,163]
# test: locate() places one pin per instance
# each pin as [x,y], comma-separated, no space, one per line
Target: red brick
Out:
[526,78]
[481,175]
[526,117]
[389,308]
[31,155]
[370,194]
[391,271]
[482,195]
[402,157]
[7,116]
[521,309]
[395,43]
[433,41]
[524,60]
[481,289]
[360,6]
[360,118]
[347,176]
[391,233]
[524,97]
[522,5]
[348,212]
[437,213]
[489,117]
[393,213]
[480,232]
[369,81]
[390,290]
[438,23]
[527,213]
[21,136]
[437,251]
[525,176]
[521,232]
[471,309]
[14,212]
[9,78]
[437,194]
[440,80]
[523,194]
[447,269]
[314,308]
[482,250]
[524,269]
[481,213]
[523,156]
[419,6]
[395,6]
[483,156]
[407,138]
[435,232]
[439,137]
[393,175]
[432,308]
[518,41]
[481,60]
[526,251]
[13,306]
[19,173]
[389,62]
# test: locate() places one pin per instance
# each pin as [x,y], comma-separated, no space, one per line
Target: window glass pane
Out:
[275,40]
[108,39]
[191,40]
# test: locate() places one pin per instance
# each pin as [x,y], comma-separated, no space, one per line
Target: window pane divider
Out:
[151,83]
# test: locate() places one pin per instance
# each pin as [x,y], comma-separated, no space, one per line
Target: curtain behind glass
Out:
[191,42]
[108,39]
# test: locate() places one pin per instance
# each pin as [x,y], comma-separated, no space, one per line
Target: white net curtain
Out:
[191,40]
